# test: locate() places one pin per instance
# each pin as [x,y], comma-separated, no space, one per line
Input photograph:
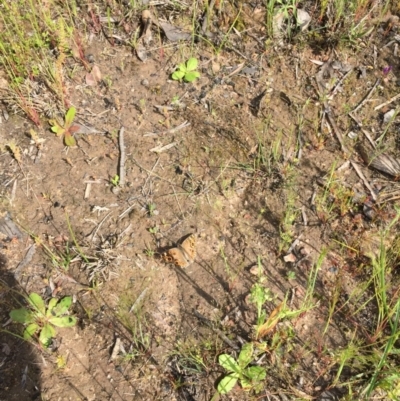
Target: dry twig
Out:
[388,102]
[366,97]
[122,157]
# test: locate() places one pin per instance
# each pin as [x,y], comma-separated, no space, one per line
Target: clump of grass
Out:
[37,38]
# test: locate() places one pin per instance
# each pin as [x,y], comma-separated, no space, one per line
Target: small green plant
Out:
[41,320]
[149,252]
[250,377]
[153,230]
[68,129]
[291,275]
[151,208]
[115,180]
[187,71]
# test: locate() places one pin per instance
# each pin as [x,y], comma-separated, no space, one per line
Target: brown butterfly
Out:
[184,254]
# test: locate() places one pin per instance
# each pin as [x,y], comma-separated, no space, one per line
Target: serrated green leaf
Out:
[62,306]
[65,321]
[50,306]
[21,315]
[46,334]
[30,331]
[227,383]
[192,64]
[69,140]
[246,384]
[255,373]
[246,355]
[37,302]
[228,363]
[178,75]
[191,76]
[69,116]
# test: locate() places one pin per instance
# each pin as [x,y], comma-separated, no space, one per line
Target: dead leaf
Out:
[173,33]
[271,322]
[146,37]
[382,162]
[93,77]
[303,19]
[141,51]
[15,150]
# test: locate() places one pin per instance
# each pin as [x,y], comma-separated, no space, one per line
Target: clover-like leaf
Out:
[69,117]
[30,331]
[228,363]
[46,334]
[191,76]
[191,64]
[178,75]
[227,383]
[37,302]
[21,315]
[65,321]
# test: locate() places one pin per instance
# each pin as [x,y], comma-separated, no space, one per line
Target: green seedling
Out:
[68,130]
[153,230]
[41,320]
[250,377]
[151,207]
[115,180]
[187,71]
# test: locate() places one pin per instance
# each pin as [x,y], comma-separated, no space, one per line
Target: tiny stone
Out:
[144,82]
[90,58]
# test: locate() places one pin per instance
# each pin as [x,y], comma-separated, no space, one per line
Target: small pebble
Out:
[144,82]
[90,58]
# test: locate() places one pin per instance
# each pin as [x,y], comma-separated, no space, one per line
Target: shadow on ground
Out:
[19,371]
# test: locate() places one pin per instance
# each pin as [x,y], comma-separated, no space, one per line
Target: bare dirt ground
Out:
[212,183]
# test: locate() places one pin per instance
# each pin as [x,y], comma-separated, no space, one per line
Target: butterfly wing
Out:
[188,248]
[175,256]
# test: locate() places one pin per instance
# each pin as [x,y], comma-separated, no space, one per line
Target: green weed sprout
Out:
[39,319]
[187,71]
[68,129]
[115,180]
[250,377]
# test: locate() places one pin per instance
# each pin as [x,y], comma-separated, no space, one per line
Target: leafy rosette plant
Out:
[69,128]
[250,377]
[42,320]
[187,71]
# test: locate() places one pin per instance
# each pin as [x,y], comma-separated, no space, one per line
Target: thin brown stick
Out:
[361,175]
[122,156]
[367,96]
[331,119]
[365,132]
